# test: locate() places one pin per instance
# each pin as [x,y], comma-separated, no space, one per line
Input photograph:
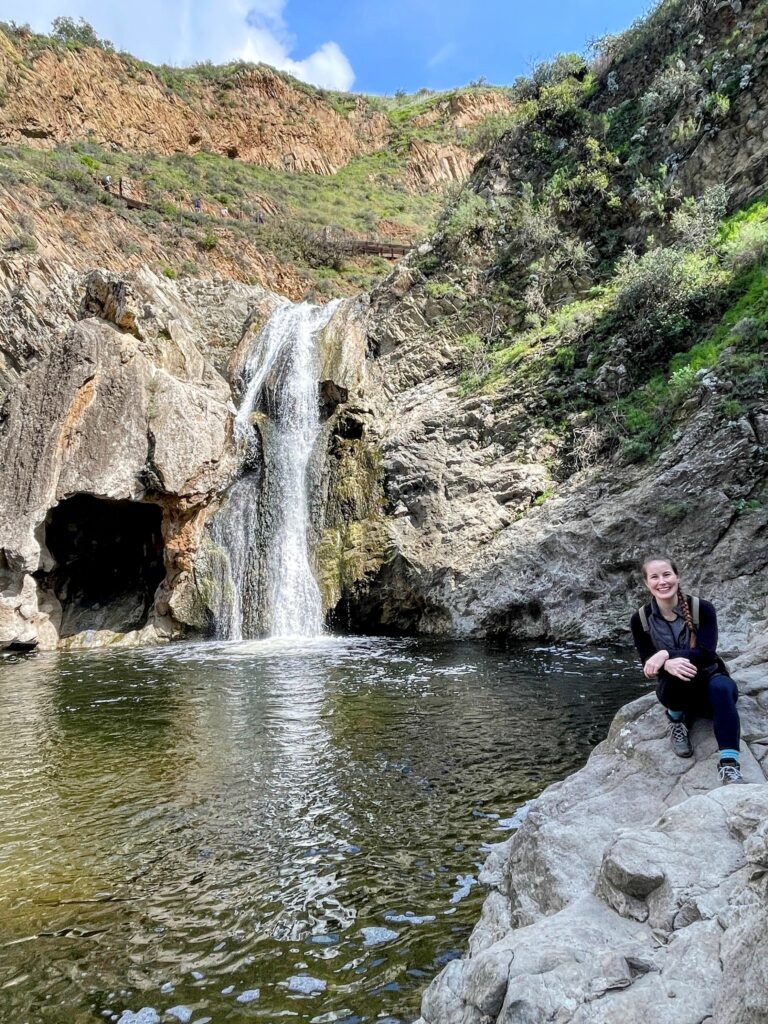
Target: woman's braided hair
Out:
[681,598]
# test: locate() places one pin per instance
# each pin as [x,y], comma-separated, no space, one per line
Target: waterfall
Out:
[265,527]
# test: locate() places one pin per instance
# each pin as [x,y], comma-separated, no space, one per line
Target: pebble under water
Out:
[269,830]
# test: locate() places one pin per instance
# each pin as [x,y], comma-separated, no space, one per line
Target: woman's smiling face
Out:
[661,579]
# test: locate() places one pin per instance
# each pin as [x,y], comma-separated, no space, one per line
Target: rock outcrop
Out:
[431,165]
[99,236]
[109,402]
[118,394]
[634,891]
[251,113]
[489,541]
[266,119]
[495,396]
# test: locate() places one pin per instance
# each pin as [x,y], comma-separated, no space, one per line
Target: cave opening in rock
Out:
[108,562]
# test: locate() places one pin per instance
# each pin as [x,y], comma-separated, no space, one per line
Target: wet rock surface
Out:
[119,391]
[633,891]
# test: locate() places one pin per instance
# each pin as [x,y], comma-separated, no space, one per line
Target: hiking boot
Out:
[681,744]
[729,772]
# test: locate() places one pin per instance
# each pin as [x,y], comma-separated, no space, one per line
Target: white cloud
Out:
[184,31]
[327,66]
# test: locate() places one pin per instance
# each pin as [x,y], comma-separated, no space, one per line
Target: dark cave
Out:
[108,562]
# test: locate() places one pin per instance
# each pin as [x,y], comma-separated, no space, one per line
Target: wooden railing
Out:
[374,246]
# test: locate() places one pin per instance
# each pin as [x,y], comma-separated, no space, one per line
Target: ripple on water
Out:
[218,820]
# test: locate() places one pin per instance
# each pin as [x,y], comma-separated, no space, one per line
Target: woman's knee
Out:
[722,687]
[671,694]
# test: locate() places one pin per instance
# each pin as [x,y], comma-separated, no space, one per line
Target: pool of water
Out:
[183,826]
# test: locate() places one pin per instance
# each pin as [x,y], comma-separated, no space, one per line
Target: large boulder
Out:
[634,891]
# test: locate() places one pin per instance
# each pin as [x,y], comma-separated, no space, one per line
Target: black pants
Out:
[705,696]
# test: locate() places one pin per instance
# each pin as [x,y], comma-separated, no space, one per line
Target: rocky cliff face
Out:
[100,236]
[513,368]
[251,113]
[635,890]
[491,540]
[62,95]
[117,397]
[115,432]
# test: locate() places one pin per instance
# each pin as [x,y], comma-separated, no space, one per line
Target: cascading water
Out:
[265,526]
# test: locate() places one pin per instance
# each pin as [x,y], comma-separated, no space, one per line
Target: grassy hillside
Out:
[291,215]
[608,258]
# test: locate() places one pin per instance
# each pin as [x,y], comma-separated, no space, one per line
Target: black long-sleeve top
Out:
[702,656]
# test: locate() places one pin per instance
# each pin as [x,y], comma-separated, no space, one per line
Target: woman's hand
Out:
[680,667]
[654,663]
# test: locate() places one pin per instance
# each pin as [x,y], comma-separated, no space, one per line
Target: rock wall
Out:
[64,95]
[118,394]
[108,393]
[634,891]
[504,520]
[489,542]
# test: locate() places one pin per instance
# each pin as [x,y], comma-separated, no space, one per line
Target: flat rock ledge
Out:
[635,892]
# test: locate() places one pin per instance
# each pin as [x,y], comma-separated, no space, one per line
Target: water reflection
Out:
[179,821]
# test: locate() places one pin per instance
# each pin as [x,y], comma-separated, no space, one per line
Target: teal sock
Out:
[729,755]
[676,716]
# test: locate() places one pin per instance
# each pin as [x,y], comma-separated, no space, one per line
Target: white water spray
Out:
[281,380]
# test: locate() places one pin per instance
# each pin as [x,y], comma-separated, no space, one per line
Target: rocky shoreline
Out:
[636,890]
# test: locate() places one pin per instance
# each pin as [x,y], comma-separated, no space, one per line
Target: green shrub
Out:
[696,222]
[648,195]
[634,449]
[21,243]
[748,248]
[468,218]
[655,294]
[437,289]
[562,67]
[683,131]
[170,273]
[716,106]
[732,409]
[75,177]
[208,241]
[487,133]
[78,33]
[540,499]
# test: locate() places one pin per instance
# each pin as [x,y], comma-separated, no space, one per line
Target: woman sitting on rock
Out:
[692,680]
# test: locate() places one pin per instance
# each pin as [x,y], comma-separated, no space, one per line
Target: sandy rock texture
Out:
[97,236]
[259,116]
[269,120]
[634,891]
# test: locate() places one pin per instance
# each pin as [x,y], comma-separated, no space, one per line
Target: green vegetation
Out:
[291,215]
[302,206]
[20,243]
[599,296]
[661,322]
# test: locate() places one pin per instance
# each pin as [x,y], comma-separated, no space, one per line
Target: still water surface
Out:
[183,826]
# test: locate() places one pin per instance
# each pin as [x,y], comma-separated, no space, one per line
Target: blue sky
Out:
[364,45]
